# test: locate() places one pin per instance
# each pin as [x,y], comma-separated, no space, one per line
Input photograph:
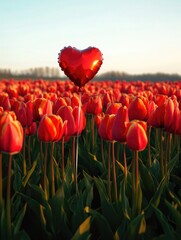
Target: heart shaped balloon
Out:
[80,66]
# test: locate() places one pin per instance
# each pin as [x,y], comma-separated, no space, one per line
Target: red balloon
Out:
[80,66]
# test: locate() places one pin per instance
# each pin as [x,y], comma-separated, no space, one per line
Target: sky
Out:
[134,36]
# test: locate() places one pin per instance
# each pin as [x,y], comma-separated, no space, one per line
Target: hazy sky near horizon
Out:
[135,36]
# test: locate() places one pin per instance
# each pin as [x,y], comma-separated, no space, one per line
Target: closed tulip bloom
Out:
[156,119]
[80,119]
[94,105]
[178,125]
[105,127]
[75,118]
[136,137]
[24,112]
[4,101]
[41,107]
[11,135]
[1,109]
[169,113]
[51,128]
[112,108]
[58,103]
[7,116]
[31,130]
[119,128]
[138,109]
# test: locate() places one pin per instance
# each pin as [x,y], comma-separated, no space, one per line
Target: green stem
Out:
[73,157]
[52,171]
[41,154]
[168,149]
[24,153]
[136,179]
[45,171]
[8,199]
[102,152]
[1,179]
[29,151]
[76,164]
[161,153]
[149,154]
[133,182]
[92,128]
[125,162]
[114,173]
[63,156]
[109,171]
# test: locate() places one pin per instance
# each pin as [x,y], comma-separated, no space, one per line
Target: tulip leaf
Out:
[19,219]
[147,180]
[22,235]
[155,200]
[29,173]
[83,230]
[136,227]
[166,227]
[175,214]
[61,214]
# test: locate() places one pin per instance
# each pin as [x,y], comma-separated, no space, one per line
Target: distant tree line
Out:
[39,72]
[113,75]
[55,73]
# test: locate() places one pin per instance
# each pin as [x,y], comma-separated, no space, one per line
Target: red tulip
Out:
[105,127]
[112,108]
[138,109]
[59,103]
[75,118]
[51,128]
[94,105]
[4,101]
[156,119]
[11,134]
[119,128]
[31,130]
[136,136]
[41,107]
[24,113]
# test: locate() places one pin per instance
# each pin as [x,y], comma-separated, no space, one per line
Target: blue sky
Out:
[135,36]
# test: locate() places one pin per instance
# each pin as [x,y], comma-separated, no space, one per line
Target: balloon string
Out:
[77,144]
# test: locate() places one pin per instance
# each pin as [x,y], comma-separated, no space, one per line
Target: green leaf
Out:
[155,200]
[22,235]
[100,222]
[29,173]
[83,230]
[136,227]
[173,162]
[166,227]
[19,219]
[175,214]
[147,180]
[60,212]
[124,200]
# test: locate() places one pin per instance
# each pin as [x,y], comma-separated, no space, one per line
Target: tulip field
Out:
[99,161]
